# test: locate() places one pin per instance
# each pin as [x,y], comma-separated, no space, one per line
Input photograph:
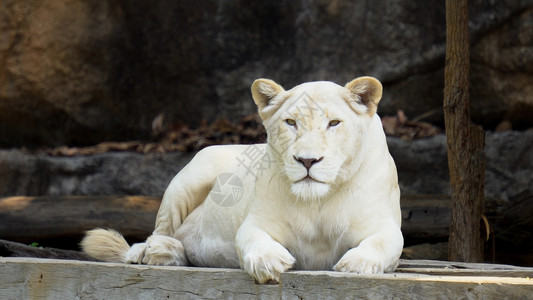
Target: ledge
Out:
[32,278]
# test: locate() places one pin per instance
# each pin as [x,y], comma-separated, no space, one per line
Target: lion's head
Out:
[317,130]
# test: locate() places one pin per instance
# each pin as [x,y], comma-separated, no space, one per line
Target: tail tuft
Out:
[105,245]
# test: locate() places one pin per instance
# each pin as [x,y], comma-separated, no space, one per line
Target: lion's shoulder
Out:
[237,159]
[220,153]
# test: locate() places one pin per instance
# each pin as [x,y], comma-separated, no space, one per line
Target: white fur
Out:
[342,214]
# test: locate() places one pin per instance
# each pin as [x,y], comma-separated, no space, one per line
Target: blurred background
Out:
[108,100]
[80,72]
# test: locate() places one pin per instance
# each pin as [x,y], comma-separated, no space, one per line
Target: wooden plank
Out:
[437,264]
[30,278]
[450,268]
[468,272]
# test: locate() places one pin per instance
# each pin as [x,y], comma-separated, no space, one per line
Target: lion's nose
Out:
[308,162]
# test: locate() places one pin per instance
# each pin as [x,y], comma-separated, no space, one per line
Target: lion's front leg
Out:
[376,254]
[260,255]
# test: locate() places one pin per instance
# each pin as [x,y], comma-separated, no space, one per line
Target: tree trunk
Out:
[465,143]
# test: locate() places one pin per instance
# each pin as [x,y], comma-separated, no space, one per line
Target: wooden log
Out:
[49,218]
[426,218]
[510,238]
[13,249]
[23,278]
[55,218]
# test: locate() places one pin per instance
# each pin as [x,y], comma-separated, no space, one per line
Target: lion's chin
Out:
[309,189]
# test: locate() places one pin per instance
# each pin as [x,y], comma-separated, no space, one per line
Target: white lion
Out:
[321,194]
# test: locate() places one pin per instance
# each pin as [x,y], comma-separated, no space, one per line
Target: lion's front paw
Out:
[360,261]
[135,254]
[266,264]
[158,250]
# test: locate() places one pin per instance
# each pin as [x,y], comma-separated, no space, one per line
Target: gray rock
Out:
[502,73]
[423,165]
[82,73]
[509,165]
[422,169]
[114,173]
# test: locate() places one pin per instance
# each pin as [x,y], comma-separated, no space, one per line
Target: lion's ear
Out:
[264,91]
[366,90]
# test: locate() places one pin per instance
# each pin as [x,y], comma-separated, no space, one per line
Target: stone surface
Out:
[423,166]
[114,173]
[76,72]
[422,169]
[502,71]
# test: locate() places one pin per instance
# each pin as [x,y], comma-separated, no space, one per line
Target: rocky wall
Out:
[422,169]
[80,72]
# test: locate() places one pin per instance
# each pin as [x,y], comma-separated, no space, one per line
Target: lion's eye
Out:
[334,123]
[290,122]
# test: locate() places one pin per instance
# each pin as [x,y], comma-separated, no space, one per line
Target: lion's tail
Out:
[105,245]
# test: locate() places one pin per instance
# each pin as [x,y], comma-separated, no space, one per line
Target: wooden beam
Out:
[24,278]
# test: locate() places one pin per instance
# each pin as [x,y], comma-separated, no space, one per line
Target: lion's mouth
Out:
[308,188]
[308,180]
